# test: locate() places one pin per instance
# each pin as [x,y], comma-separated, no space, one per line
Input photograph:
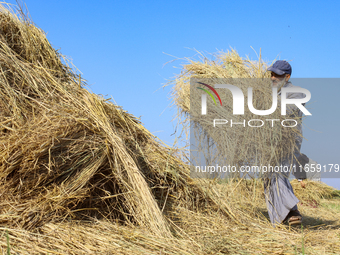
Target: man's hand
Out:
[303,184]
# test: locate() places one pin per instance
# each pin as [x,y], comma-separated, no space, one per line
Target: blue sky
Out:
[121,48]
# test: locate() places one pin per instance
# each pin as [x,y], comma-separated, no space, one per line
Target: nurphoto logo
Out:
[238,99]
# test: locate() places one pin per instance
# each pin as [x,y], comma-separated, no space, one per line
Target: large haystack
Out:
[68,153]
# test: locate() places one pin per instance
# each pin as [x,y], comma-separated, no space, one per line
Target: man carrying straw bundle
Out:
[280,199]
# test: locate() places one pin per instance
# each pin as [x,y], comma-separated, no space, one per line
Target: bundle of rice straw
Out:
[236,145]
[68,153]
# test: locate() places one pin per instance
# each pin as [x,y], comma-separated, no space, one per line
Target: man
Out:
[280,199]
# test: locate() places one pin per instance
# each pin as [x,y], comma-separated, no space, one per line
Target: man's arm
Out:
[300,173]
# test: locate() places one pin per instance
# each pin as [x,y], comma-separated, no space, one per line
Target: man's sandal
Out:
[293,218]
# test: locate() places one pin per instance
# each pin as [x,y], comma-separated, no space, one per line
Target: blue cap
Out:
[281,67]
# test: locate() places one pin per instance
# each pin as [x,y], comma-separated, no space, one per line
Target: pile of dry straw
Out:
[68,153]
